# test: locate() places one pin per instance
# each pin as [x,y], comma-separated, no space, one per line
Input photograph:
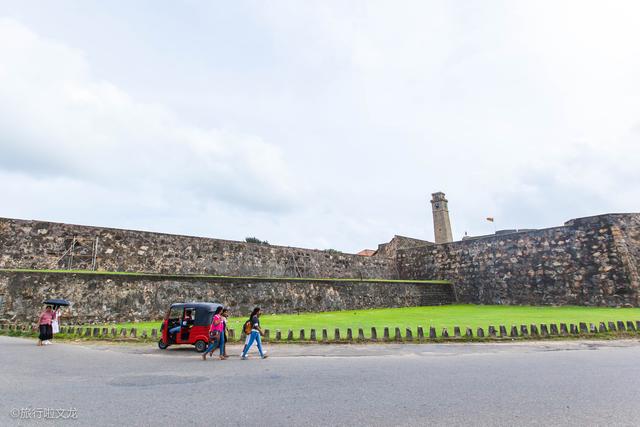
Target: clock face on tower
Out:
[437,205]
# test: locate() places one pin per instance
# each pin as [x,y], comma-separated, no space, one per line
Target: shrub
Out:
[255,240]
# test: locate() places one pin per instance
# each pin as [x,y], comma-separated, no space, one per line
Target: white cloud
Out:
[59,122]
[526,111]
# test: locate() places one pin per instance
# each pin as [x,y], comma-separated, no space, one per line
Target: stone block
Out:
[385,335]
[87,332]
[563,329]
[637,325]
[534,330]
[544,330]
[397,336]
[374,334]
[302,336]
[456,331]
[408,335]
[232,334]
[612,327]
[583,328]
[325,335]
[349,335]
[420,334]
[503,331]
[336,334]
[592,328]
[602,328]
[514,332]
[312,335]
[154,333]
[133,333]
[630,326]
[523,331]
[278,335]
[360,334]
[468,333]
[480,333]
[289,335]
[143,334]
[267,335]
[96,332]
[63,330]
[621,326]
[105,332]
[445,333]
[123,332]
[432,333]
[573,329]
[492,331]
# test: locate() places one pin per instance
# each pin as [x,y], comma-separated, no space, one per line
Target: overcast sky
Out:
[318,124]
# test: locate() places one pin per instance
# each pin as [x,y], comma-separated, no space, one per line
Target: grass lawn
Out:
[439,316]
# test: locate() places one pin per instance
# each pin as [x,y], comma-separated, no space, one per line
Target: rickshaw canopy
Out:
[203,311]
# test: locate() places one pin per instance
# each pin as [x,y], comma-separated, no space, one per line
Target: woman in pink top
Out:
[44,325]
[217,334]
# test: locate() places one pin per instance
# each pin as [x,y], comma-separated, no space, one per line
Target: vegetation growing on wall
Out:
[255,240]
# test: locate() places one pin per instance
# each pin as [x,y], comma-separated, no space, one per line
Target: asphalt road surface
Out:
[547,383]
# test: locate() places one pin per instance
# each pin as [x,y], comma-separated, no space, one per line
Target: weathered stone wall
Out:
[589,261]
[390,249]
[108,297]
[626,232]
[41,245]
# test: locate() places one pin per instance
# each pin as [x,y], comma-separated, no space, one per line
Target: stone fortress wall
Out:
[41,245]
[106,297]
[117,298]
[588,261]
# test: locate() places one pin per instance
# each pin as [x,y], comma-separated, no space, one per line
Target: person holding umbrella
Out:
[48,320]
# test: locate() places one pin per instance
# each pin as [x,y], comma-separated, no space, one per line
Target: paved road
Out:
[550,383]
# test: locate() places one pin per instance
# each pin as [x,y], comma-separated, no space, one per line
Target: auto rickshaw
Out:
[187,323]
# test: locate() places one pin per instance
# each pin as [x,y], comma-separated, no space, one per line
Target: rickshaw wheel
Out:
[201,346]
[162,345]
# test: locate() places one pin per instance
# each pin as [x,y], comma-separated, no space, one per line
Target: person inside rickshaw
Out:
[186,322]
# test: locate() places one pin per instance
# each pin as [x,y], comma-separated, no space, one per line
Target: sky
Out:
[319,124]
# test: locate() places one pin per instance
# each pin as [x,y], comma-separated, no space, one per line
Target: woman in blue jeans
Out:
[217,335]
[256,332]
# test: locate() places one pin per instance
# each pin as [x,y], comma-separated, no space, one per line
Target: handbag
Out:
[214,335]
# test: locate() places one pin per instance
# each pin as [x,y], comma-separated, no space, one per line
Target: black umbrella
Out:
[57,303]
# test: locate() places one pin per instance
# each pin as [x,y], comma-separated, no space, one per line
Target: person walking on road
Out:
[44,325]
[216,335]
[225,316]
[255,334]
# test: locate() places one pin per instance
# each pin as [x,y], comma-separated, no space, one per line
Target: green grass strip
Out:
[446,316]
[218,277]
